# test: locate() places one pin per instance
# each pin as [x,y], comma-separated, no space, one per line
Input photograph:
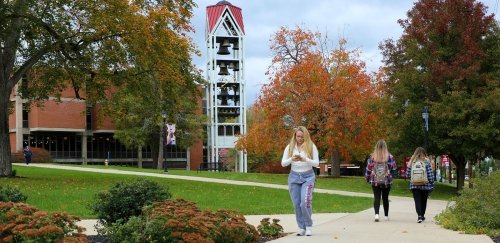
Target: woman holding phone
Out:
[302,154]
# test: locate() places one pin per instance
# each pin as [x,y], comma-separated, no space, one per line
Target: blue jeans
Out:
[301,187]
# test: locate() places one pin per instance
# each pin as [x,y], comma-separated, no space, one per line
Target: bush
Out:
[270,230]
[182,221]
[40,155]
[126,199]
[476,210]
[11,194]
[20,222]
[273,167]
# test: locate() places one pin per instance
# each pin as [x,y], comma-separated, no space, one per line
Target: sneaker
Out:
[423,218]
[386,218]
[376,218]
[309,231]
[301,232]
[419,220]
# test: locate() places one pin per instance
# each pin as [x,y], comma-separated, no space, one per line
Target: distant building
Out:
[70,132]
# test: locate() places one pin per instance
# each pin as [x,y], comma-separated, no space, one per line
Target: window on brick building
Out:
[25,116]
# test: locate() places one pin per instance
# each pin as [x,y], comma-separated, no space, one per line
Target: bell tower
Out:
[225,92]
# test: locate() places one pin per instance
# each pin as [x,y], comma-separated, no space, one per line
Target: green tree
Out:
[137,106]
[446,59]
[93,46]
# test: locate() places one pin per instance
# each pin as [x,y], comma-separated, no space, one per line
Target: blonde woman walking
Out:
[378,175]
[302,154]
[421,181]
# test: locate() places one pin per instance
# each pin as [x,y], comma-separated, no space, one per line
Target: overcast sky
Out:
[364,23]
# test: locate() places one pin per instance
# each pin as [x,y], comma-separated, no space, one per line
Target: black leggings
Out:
[420,197]
[377,192]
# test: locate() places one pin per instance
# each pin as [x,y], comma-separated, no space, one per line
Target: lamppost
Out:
[164,134]
[425,116]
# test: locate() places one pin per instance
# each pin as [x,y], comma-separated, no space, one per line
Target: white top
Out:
[303,165]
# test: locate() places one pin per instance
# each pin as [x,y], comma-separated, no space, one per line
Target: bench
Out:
[208,166]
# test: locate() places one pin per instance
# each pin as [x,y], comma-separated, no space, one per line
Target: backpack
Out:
[380,173]
[418,173]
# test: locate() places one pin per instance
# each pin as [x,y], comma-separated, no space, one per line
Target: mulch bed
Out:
[496,239]
[97,238]
[102,239]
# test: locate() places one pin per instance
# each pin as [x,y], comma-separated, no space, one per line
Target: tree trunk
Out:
[139,157]
[460,163]
[161,162]
[469,173]
[5,160]
[154,150]
[335,164]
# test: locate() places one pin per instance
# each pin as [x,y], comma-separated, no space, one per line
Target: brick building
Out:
[69,130]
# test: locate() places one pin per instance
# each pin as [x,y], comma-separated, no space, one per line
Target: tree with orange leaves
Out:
[328,91]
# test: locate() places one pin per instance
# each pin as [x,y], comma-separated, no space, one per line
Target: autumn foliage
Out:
[20,222]
[182,221]
[328,91]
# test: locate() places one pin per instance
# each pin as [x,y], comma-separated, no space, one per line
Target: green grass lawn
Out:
[71,191]
[400,187]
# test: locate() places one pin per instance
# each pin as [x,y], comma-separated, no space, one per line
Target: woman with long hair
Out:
[302,154]
[378,175]
[421,180]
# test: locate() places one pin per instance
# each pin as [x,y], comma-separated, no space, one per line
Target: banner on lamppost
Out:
[445,161]
[170,134]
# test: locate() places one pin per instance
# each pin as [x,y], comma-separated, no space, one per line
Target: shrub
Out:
[273,167]
[40,155]
[270,230]
[20,222]
[476,210]
[126,199]
[11,194]
[182,221]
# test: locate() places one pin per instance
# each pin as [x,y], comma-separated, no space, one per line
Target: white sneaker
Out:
[301,232]
[377,218]
[386,218]
[309,231]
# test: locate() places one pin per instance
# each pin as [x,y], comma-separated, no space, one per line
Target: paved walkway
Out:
[336,227]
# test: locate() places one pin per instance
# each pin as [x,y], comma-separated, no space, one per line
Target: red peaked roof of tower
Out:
[215,11]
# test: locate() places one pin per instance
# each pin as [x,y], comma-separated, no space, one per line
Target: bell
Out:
[223,51]
[223,48]
[223,69]
[235,66]
[236,45]
[226,43]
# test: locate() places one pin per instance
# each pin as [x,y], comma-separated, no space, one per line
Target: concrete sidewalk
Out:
[336,227]
[401,227]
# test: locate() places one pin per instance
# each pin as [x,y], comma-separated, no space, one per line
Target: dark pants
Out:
[384,192]
[420,198]
[28,159]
